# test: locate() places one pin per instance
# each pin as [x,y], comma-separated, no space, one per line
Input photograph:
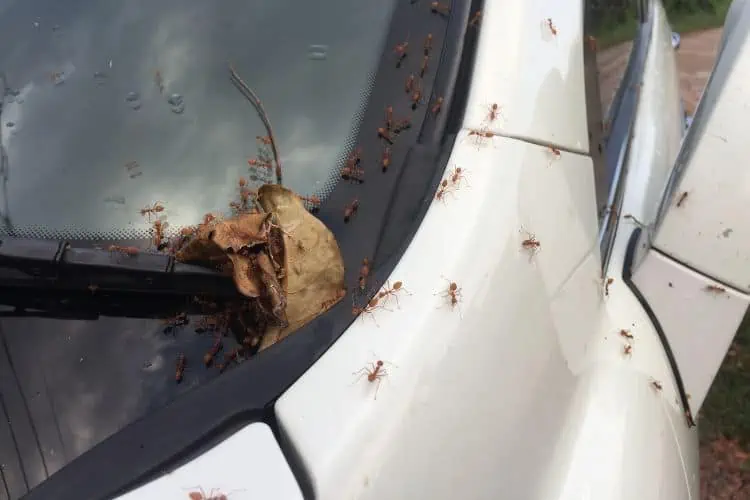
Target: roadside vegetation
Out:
[614,20]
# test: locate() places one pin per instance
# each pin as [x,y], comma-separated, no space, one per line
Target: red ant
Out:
[260,163]
[386,160]
[531,245]
[351,209]
[493,111]
[180,371]
[401,52]
[552,28]
[153,209]
[682,199]
[208,358]
[444,189]
[453,294]
[385,135]
[213,494]
[437,106]
[129,251]
[410,83]
[425,65]
[475,19]
[416,96]
[428,44]
[457,175]
[364,272]
[715,289]
[440,8]
[480,135]
[375,373]
[554,153]
[392,291]
[369,308]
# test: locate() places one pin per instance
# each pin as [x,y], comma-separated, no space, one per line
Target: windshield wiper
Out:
[45,267]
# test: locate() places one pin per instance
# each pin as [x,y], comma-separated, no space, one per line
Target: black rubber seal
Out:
[627,277]
[392,206]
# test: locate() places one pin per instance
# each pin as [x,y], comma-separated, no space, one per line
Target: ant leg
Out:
[377,388]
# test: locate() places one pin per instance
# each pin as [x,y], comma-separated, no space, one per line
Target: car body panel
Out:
[527,387]
[248,464]
[708,232]
[695,276]
[535,77]
[520,328]
[688,309]
[541,334]
[614,450]
[430,345]
[659,124]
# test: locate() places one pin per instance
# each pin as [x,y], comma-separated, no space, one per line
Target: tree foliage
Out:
[614,12]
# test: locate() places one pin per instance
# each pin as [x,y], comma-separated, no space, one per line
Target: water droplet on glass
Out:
[100,78]
[317,52]
[254,177]
[58,77]
[177,103]
[133,100]
[120,200]
[13,92]
[10,124]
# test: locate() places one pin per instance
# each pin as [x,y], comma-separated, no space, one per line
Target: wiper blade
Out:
[55,266]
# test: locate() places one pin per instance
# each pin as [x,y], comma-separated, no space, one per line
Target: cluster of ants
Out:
[392,126]
[216,322]
[375,371]
[218,325]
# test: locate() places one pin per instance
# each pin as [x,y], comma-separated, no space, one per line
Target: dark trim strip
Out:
[622,117]
[627,277]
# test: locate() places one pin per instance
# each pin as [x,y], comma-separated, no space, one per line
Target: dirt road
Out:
[695,58]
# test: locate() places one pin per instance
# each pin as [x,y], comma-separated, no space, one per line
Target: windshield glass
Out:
[109,107]
[112,106]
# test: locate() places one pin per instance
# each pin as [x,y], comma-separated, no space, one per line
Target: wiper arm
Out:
[55,266]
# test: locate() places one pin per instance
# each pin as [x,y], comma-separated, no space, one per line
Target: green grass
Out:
[726,410]
[681,23]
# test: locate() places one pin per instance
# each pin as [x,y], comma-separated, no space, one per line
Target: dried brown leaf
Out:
[314,266]
[238,233]
[231,240]
[274,293]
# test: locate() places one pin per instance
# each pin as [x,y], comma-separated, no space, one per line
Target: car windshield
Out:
[113,106]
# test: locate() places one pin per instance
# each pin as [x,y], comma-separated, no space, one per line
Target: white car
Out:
[557,290]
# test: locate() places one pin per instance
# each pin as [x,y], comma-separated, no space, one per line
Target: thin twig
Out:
[255,101]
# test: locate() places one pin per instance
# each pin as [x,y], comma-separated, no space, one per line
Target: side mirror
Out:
[675,40]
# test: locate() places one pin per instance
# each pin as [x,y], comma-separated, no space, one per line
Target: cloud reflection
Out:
[77,136]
